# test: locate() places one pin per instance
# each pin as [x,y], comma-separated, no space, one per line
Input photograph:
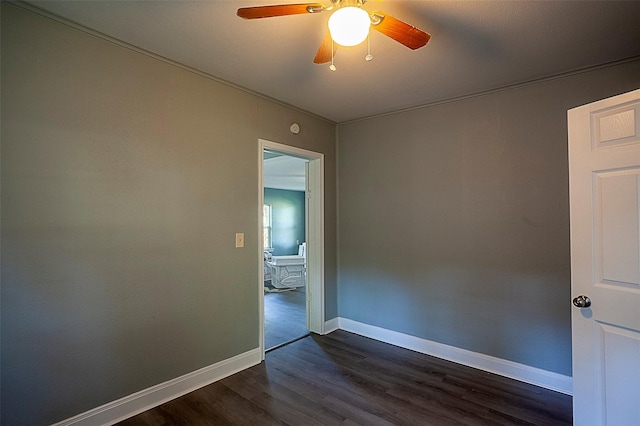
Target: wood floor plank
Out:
[284,403]
[346,379]
[285,316]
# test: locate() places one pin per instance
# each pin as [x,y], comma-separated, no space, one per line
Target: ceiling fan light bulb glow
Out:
[349,26]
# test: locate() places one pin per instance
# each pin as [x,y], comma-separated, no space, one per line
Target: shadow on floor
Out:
[285,316]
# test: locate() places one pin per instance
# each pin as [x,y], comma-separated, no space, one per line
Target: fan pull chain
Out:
[332,67]
[369,56]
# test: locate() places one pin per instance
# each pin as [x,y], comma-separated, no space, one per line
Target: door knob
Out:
[582,301]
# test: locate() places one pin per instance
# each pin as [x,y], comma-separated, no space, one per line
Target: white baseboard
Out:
[513,370]
[331,325]
[138,402]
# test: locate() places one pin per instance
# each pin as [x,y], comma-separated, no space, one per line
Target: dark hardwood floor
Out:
[346,379]
[285,317]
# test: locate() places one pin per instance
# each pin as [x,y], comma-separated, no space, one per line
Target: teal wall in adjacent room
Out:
[287,219]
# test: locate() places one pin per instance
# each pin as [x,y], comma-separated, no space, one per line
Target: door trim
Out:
[315,235]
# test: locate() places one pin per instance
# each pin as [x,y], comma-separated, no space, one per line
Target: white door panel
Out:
[617,226]
[604,175]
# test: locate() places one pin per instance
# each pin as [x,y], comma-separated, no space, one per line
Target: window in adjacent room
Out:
[266,225]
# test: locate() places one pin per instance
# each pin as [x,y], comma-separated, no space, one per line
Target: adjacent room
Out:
[284,242]
[430,253]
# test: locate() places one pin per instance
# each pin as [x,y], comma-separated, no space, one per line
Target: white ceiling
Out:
[476,46]
[284,172]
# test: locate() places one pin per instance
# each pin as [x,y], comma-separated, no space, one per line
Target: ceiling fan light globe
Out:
[349,26]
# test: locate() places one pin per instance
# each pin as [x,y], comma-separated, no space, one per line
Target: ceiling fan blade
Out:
[323,55]
[401,32]
[278,10]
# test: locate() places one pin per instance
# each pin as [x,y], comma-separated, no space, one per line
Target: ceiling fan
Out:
[349,25]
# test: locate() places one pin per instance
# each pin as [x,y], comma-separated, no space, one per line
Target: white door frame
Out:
[315,234]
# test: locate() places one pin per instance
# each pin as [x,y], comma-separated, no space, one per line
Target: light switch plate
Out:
[239,239]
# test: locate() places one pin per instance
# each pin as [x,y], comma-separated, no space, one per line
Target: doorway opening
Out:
[292,245]
[284,242]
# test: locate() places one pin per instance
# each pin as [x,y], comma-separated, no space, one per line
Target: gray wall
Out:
[454,219]
[124,180]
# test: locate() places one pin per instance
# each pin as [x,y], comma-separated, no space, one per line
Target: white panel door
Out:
[604,176]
